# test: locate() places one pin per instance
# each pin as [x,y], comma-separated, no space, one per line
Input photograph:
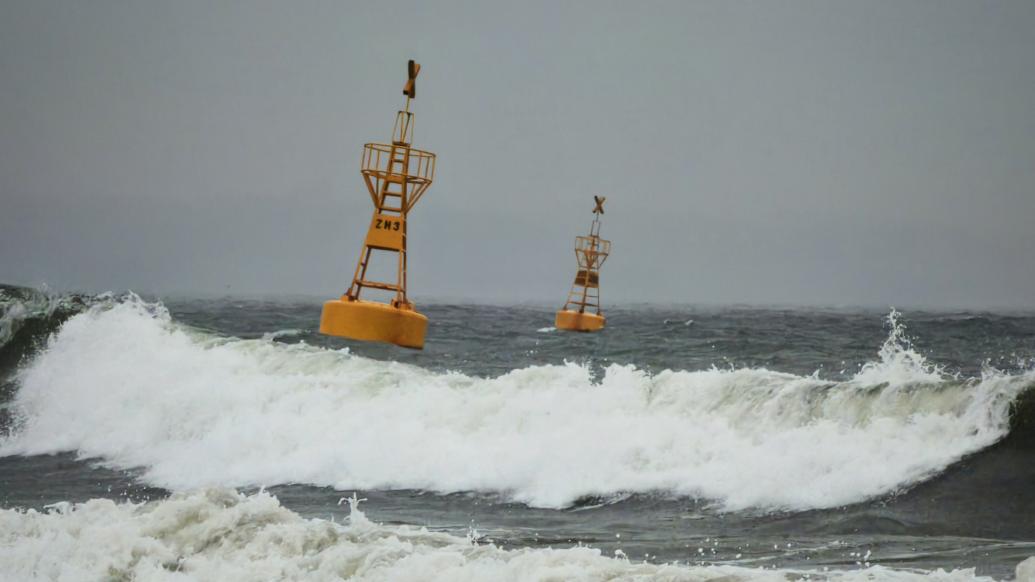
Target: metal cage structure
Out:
[590,253]
[397,176]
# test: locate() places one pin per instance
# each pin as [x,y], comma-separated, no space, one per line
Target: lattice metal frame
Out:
[396,176]
[590,253]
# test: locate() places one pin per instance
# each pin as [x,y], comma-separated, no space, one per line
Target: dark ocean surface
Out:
[811,442]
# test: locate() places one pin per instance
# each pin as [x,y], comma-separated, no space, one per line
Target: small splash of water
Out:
[899,362]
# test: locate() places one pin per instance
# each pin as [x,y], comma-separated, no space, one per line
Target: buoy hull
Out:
[374,322]
[575,321]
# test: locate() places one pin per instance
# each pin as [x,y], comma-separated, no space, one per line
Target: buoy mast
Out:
[581,311]
[396,175]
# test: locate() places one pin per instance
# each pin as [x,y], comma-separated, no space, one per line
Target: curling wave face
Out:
[124,383]
[218,534]
[27,314]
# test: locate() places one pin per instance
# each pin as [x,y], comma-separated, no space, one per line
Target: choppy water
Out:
[680,443]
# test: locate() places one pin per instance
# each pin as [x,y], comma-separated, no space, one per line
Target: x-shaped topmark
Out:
[410,90]
[599,209]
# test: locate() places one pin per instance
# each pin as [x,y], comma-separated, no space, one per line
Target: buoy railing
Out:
[383,162]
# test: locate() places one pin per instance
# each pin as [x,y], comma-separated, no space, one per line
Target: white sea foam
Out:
[127,385]
[271,336]
[220,535]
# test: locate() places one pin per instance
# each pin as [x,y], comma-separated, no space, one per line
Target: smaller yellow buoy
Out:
[396,175]
[590,252]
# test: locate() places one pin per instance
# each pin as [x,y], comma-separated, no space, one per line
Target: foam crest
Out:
[222,535]
[127,385]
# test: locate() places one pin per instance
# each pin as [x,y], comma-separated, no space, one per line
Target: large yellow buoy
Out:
[396,176]
[582,310]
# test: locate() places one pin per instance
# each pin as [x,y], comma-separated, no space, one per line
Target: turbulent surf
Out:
[178,403]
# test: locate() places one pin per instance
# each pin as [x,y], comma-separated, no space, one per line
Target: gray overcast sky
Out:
[863,153]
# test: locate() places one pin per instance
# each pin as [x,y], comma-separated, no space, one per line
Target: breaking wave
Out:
[29,315]
[124,383]
[218,534]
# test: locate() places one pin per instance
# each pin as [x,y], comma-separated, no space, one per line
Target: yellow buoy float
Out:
[582,310]
[396,176]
